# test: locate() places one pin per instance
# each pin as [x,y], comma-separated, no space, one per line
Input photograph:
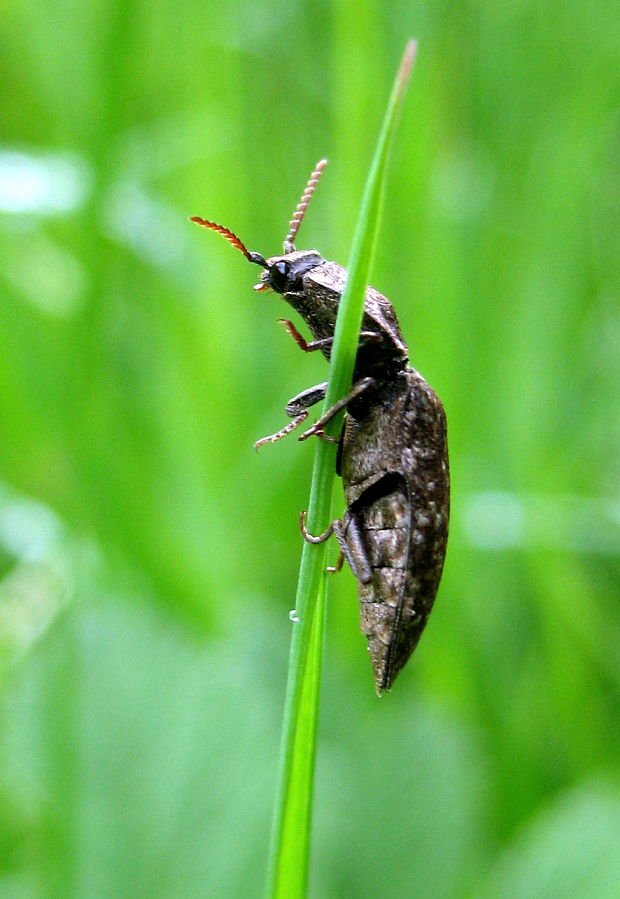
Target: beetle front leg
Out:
[309,346]
[302,343]
[297,409]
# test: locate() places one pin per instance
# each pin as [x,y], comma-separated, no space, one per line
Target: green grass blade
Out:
[292,819]
[293,866]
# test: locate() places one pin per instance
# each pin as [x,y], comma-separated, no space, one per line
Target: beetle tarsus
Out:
[314,431]
[272,438]
[333,569]
[311,538]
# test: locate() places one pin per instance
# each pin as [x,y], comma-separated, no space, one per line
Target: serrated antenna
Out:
[302,206]
[232,238]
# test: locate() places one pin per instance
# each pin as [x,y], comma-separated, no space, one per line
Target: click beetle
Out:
[393,454]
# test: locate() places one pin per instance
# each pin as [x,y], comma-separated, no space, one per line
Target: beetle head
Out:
[282,273]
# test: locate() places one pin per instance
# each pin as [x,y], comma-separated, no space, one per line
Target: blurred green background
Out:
[148,555]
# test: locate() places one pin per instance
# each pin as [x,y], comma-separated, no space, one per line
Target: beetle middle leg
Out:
[348,533]
[297,409]
[357,390]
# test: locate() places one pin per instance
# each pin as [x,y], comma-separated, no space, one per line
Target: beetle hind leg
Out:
[311,538]
[297,409]
[333,569]
[348,533]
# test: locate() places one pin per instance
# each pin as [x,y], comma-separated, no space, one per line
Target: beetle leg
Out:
[324,436]
[321,538]
[339,561]
[308,397]
[356,390]
[309,346]
[302,343]
[297,409]
[348,533]
[271,438]
[349,536]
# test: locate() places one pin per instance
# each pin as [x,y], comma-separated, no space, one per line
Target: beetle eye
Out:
[278,275]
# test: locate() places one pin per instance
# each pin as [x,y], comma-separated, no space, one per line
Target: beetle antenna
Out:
[232,238]
[302,206]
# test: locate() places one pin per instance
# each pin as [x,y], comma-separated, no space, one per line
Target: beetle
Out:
[392,454]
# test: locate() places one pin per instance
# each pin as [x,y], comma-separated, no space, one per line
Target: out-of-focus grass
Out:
[148,555]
